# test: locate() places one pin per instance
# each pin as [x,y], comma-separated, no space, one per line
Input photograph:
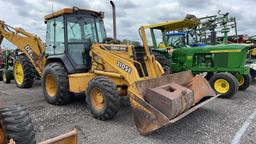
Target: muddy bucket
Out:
[161,101]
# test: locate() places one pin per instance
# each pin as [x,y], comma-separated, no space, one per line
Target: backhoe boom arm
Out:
[31,45]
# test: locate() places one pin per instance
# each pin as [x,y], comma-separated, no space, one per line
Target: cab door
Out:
[81,33]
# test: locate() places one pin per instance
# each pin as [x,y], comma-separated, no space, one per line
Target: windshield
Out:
[176,41]
[180,40]
[85,29]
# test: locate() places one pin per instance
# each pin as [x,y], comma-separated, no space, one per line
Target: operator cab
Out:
[176,39]
[70,33]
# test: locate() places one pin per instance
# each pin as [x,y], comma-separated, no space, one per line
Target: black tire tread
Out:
[9,76]
[63,95]
[247,82]
[28,70]
[17,125]
[232,82]
[110,92]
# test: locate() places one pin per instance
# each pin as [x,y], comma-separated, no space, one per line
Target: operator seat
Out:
[162,45]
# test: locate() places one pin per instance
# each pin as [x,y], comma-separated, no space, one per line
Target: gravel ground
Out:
[216,122]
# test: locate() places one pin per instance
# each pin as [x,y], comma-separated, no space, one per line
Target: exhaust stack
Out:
[114,18]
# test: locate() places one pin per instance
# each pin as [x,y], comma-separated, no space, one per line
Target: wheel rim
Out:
[97,99]
[18,73]
[221,86]
[51,85]
[240,79]
[4,77]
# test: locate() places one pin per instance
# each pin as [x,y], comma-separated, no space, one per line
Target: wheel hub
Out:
[18,73]
[51,85]
[97,99]
[221,86]
[240,79]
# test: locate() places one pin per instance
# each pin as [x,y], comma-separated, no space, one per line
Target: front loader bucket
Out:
[67,138]
[161,101]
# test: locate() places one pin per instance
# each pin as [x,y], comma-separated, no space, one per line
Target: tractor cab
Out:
[168,33]
[182,39]
[176,39]
[70,33]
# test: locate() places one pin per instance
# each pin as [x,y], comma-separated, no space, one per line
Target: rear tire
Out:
[7,76]
[102,98]
[55,84]
[164,62]
[28,72]
[16,124]
[225,84]
[244,81]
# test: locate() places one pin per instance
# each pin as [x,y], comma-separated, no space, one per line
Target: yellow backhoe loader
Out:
[77,59]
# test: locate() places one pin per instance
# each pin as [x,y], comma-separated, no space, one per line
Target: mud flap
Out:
[149,118]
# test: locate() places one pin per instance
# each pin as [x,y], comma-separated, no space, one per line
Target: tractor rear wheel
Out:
[7,76]
[23,72]
[164,62]
[102,98]
[55,84]
[244,81]
[16,125]
[225,84]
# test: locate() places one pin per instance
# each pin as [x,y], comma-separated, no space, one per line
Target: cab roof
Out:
[173,25]
[67,11]
[176,33]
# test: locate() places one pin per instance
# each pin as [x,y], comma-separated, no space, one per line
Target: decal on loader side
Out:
[124,67]
[29,50]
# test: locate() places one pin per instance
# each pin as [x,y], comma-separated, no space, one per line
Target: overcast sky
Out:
[131,14]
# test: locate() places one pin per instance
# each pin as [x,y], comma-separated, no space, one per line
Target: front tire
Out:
[23,72]
[7,76]
[55,84]
[225,84]
[16,124]
[102,98]
[244,81]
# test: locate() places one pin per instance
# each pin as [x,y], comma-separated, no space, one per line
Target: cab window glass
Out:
[55,36]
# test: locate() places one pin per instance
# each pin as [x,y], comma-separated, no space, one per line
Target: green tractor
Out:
[6,70]
[224,64]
